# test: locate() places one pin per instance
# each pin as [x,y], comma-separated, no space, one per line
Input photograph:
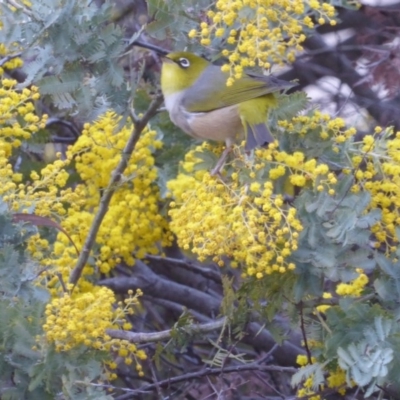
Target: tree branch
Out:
[207,372]
[176,308]
[109,191]
[144,337]
[159,287]
[9,58]
[188,264]
[330,62]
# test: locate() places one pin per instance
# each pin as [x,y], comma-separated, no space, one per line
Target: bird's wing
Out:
[210,91]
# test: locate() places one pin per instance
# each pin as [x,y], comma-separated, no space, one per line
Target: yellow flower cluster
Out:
[261,32]
[306,389]
[302,360]
[336,379]
[17,115]
[323,307]
[332,129]
[374,163]
[16,6]
[42,194]
[132,227]
[377,169]
[83,318]
[355,287]
[13,63]
[301,172]
[241,217]
[18,122]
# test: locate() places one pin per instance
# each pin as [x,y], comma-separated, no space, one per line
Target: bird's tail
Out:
[257,136]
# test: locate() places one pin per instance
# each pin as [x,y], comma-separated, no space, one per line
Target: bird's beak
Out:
[166,59]
[162,52]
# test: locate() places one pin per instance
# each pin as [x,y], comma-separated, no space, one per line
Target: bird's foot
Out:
[221,161]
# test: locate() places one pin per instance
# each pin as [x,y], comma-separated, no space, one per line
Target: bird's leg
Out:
[221,160]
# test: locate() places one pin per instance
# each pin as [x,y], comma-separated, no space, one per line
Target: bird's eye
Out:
[184,62]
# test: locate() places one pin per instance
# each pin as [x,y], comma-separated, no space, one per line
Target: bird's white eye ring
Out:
[184,62]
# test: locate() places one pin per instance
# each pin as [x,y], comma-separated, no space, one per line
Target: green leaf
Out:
[325,258]
[343,186]
[345,222]
[358,202]
[370,219]
[209,159]
[345,360]
[305,372]
[307,284]
[387,266]
[359,258]
[385,290]
[290,105]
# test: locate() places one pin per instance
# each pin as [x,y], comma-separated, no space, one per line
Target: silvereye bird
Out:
[200,102]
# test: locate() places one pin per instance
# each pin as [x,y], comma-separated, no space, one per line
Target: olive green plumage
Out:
[199,101]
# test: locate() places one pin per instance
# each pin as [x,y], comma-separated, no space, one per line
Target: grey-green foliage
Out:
[335,235]
[367,360]
[358,334]
[174,19]
[387,285]
[72,51]
[28,372]
[288,107]
[315,370]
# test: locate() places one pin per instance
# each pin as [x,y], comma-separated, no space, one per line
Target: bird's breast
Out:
[220,125]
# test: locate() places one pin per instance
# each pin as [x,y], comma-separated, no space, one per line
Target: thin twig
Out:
[60,278]
[175,307]
[303,332]
[155,380]
[159,50]
[210,371]
[146,337]
[203,271]
[22,8]
[9,58]
[268,385]
[110,190]
[265,357]
[109,387]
